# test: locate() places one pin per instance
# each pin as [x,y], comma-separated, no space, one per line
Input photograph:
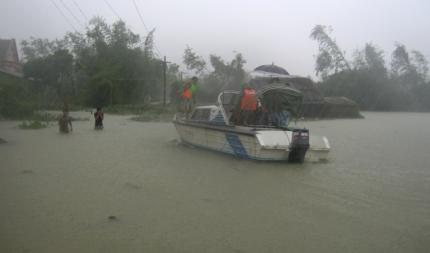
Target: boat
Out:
[213,127]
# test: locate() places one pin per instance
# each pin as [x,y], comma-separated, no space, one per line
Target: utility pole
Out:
[164,81]
[111,93]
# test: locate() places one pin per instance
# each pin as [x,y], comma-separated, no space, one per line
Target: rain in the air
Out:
[214,126]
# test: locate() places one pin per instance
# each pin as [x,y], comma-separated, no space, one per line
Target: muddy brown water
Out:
[133,188]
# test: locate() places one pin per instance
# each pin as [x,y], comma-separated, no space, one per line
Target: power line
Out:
[140,16]
[71,13]
[112,9]
[157,53]
[116,14]
[80,10]
[144,25]
[64,16]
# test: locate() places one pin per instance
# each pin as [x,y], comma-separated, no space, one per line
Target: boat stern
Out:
[319,149]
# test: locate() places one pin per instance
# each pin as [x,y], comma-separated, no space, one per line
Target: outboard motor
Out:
[299,145]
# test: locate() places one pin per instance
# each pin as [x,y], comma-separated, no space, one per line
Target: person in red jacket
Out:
[248,105]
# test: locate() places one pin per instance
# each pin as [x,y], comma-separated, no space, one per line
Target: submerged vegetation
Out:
[35,124]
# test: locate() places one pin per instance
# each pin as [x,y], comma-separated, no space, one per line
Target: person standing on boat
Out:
[98,116]
[194,88]
[261,115]
[248,105]
[186,98]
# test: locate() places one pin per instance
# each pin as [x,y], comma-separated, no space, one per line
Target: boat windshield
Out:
[229,100]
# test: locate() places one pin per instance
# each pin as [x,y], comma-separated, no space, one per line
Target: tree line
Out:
[404,85]
[108,65]
[111,65]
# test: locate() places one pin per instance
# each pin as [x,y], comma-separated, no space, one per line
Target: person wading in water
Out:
[64,122]
[98,116]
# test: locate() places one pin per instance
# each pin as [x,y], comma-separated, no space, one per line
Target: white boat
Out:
[210,127]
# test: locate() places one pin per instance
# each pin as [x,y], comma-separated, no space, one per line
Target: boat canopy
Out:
[278,97]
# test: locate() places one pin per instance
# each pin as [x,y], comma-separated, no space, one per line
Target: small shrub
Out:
[35,124]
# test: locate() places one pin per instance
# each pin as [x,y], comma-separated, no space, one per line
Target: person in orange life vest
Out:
[248,105]
[187,98]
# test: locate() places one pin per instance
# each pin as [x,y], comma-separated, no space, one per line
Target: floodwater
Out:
[57,192]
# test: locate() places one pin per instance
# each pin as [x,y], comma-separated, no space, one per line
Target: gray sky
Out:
[263,31]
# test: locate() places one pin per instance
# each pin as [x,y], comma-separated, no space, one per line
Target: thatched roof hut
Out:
[340,107]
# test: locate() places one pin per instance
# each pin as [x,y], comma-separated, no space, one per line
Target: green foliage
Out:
[404,87]
[192,61]
[53,72]
[15,98]
[421,64]
[330,57]
[225,75]
[366,88]
[400,63]
[104,66]
[374,59]
[39,48]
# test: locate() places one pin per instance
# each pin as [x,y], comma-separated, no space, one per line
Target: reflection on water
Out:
[133,188]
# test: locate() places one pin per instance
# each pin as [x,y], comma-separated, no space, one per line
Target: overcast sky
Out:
[263,31]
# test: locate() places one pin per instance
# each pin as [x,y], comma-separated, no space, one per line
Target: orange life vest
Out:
[187,93]
[249,100]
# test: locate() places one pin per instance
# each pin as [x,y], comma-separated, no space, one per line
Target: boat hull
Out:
[242,142]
